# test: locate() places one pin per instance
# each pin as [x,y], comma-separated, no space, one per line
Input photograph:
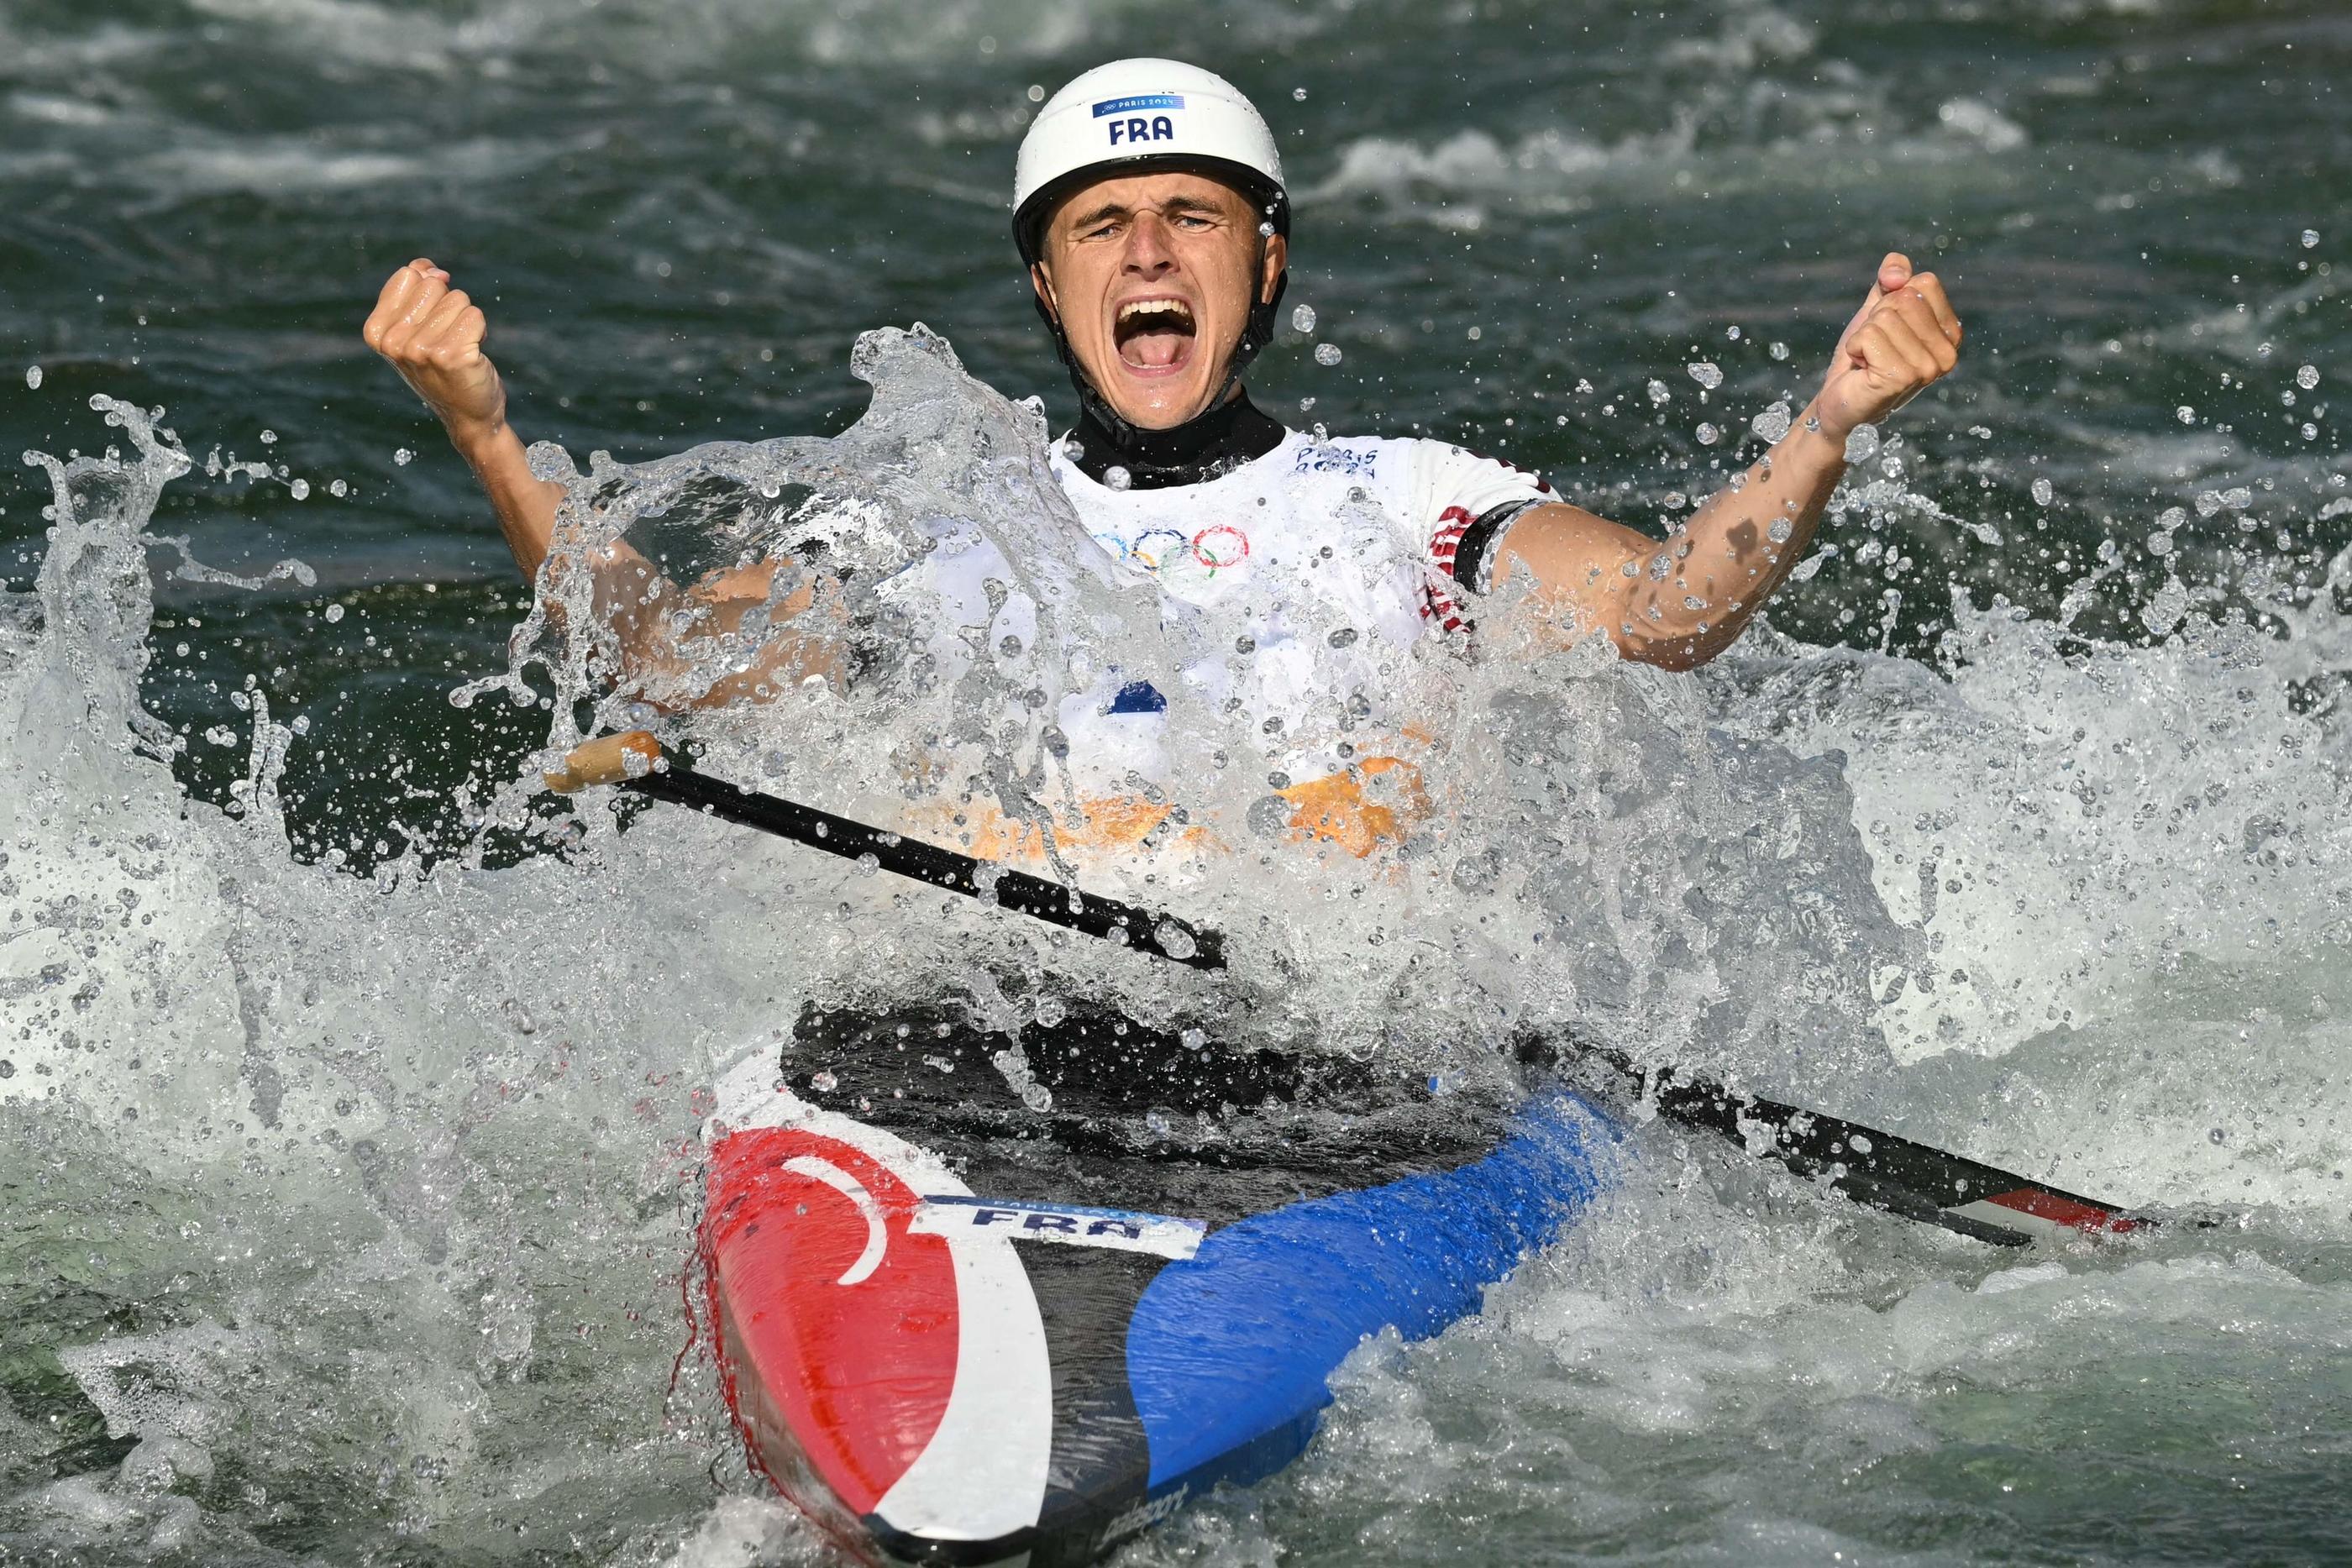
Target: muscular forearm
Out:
[1682,602]
[1700,590]
[718,641]
[524,503]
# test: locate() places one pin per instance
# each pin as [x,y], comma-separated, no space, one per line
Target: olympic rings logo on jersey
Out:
[1171,556]
[1221,546]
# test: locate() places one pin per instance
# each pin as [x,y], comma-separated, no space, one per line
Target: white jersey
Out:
[1320,564]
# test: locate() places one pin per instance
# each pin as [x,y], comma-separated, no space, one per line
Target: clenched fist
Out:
[1903,338]
[432,333]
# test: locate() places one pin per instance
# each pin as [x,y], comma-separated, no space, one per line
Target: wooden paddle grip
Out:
[607,759]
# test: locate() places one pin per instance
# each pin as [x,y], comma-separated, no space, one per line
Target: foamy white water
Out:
[392,1178]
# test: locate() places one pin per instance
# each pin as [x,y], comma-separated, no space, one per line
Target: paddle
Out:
[1879,1169]
[635,762]
[1885,1172]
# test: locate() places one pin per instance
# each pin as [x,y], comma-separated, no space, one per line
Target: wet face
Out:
[1152,279]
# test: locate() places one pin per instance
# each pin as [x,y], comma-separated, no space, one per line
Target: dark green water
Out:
[1511,218]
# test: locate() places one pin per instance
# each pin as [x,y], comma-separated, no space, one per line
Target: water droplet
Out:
[338,489]
[823,1083]
[1772,424]
[1302,319]
[269,438]
[334,613]
[1708,436]
[1327,353]
[2041,492]
[1073,449]
[1779,350]
[1732,333]
[2185,415]
[301,489]
[1298,95]
[2307,377]
[1036,92]
[33,377]
[1266,229]
[1659,394]
[1116,478]
[1862,443]
[1780,531]
[404,458]
[1706,372]
[7,1068]
[2310,238]
[1344,637]
[2218,1136]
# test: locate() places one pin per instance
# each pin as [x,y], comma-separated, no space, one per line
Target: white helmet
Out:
[1138,114]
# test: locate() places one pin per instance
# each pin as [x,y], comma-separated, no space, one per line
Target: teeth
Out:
[1135,308]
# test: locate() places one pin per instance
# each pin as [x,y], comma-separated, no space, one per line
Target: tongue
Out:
[1153,349]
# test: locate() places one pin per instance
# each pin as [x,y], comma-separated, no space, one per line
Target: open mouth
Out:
[1154,334]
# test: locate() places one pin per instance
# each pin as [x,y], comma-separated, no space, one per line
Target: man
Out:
[1150,208]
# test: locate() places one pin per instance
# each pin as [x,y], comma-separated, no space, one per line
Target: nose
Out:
[1148,253]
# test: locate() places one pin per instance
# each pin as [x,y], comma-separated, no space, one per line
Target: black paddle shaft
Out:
[1162,935]
[1877,1169]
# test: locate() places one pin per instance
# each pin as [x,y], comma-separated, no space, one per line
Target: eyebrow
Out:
[1179,202]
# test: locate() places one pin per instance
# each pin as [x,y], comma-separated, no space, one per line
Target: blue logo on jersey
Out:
[1314,459]
[1137,696]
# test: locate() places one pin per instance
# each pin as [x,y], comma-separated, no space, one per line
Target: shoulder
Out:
[1448,466]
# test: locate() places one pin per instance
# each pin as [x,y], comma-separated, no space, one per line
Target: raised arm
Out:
[432,333]
[1679,603]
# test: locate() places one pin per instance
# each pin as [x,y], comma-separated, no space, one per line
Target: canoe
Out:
[981,1301]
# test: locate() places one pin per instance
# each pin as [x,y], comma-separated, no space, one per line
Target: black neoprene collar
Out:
[1200,449]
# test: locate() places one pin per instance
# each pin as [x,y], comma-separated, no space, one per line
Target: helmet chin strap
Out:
[1125,435]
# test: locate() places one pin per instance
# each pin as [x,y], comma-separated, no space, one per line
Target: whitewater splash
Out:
[1540,885]
[372,1173]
